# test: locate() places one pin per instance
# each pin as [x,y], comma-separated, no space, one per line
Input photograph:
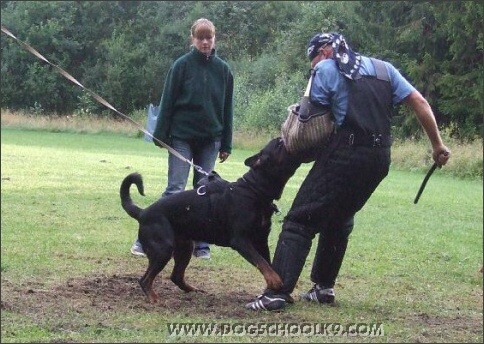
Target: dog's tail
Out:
[126,202]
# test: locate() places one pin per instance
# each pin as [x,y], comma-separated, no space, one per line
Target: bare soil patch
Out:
[98,299]
[118,293]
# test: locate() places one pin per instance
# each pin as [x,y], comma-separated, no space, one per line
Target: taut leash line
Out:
[101,100]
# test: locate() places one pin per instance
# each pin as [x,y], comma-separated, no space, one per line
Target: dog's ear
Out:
[251,161]
[273,147]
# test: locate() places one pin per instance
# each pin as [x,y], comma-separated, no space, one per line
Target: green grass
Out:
[67,274]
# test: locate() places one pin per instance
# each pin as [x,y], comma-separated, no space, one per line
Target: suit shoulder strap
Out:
[381,70]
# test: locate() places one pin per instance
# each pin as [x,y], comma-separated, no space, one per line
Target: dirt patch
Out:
[98,300]
[446,328]
[119,293]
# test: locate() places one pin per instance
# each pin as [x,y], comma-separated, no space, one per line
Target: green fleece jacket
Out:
[197,101]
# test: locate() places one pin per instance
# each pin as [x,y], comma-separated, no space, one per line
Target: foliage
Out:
[440,52]
[265,111]
[122,50]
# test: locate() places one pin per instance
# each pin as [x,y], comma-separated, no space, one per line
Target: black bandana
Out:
[348,61]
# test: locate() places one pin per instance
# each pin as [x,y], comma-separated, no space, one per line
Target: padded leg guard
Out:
[291,252]
[330,253]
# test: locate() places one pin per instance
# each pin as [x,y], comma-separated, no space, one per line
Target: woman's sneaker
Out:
[319,294]
[202,252]
[137,249]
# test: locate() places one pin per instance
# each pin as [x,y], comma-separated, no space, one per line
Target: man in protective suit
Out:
[361,93]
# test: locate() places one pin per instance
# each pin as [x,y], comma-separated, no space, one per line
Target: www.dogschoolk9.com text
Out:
[276,329]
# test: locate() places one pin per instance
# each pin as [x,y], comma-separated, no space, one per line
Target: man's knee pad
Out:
[293,230]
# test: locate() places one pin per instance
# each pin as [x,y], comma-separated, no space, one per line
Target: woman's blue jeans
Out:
[201,153]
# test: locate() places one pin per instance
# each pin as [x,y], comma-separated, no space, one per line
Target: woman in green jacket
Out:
[196,114]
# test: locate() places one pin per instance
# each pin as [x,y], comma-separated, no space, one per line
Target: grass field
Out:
[412,270]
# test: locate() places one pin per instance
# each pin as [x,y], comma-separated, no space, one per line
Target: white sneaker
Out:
[319,294]
[137,249]
[202,252]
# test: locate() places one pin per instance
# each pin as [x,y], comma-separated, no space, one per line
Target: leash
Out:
[101,100]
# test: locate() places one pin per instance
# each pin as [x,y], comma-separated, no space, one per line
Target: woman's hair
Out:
[202,27]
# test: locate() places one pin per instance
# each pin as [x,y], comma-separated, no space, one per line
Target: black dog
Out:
[236,215]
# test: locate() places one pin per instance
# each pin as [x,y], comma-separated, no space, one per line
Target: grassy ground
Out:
[412,271]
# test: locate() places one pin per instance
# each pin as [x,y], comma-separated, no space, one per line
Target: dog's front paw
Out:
[274,282]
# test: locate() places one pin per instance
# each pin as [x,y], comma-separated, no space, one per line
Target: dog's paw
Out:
[153,299]
[275,282]
[194,290]
[276,286]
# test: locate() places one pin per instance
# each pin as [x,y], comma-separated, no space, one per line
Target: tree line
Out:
[122,50]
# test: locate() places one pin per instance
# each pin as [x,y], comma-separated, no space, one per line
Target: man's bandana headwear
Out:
[316,43]
[348,61]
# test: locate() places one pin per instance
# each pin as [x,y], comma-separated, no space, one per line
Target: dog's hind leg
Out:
[182,255]
[155,266]
[158,247]
[146,283]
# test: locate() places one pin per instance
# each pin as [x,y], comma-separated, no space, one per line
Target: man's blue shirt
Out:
[329,86]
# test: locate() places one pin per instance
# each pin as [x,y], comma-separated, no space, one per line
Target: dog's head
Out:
[273,152]
[271,168]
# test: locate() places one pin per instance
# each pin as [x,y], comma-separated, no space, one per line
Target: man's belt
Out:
[365,140]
